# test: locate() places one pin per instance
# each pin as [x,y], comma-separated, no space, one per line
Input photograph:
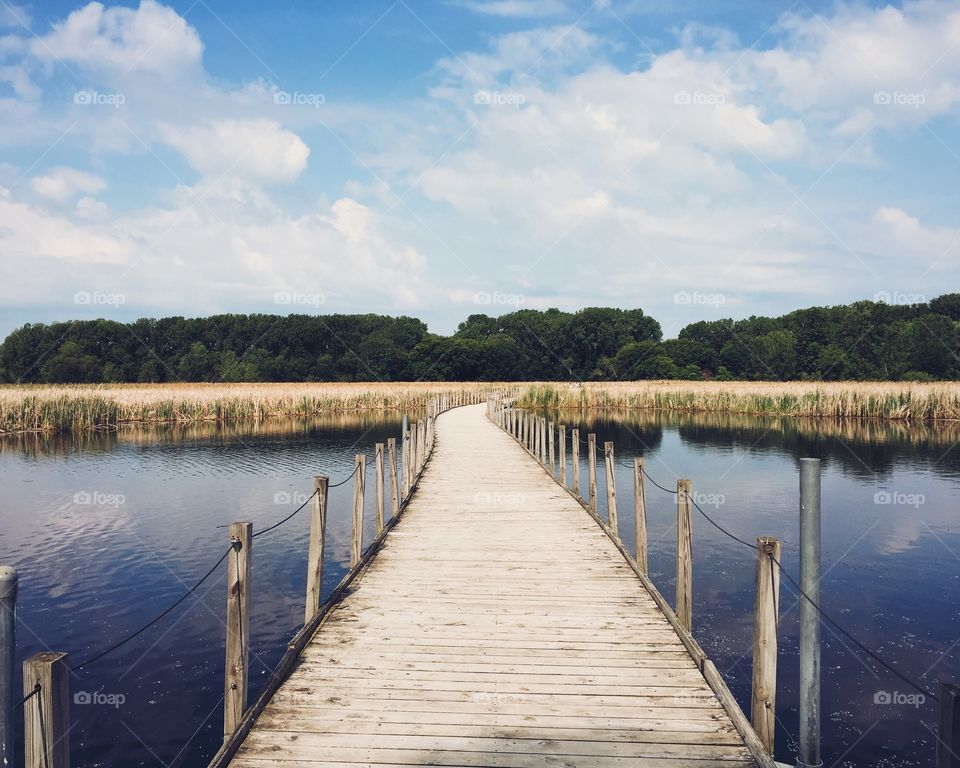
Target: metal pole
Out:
[809,740]
[8,648]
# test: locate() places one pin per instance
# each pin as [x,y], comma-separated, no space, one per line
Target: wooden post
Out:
[359,481]
[238,626]
[640,515]
[562,429]
[592,470]
[414,446]
[318,531]
[46,716]
[394,488]
[948,734]
[766,613]
[378,469]
[551,456]
[608,460]
[575,459]
[536,437]
[423,445]
[684,597]
[543,440]
[9,582]
[405,449]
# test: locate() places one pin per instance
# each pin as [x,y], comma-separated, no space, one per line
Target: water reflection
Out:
[107,526]
[862,447]
[890,498]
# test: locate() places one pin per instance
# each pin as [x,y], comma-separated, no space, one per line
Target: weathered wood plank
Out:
[461,645]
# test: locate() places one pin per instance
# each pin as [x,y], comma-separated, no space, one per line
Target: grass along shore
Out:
[75,407]
[905,401]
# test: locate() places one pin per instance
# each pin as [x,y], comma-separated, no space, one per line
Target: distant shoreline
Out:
[78,407]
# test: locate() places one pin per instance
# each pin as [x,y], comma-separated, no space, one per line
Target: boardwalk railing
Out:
[46,676]
[536,435]
[533,431]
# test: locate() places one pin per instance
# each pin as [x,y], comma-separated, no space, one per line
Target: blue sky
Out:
[697,160]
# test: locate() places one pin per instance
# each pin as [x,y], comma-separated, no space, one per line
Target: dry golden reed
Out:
[74,407]
[905,401]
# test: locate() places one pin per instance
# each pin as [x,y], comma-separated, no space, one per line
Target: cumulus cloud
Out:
[261,150]
[530,163]
[63,184]
[151,38]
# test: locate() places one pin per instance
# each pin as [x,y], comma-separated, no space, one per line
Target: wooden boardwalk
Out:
[498,625]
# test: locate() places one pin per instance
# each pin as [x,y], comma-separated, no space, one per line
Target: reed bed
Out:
[903,401]
[77,407]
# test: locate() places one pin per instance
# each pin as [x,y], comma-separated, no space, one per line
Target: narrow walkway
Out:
[498,626]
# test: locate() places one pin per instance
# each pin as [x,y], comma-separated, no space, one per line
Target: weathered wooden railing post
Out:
[378,469]
[46,715]
[562,429]
[550,450]
[808,739]
[948,733]
[536,437]
[640,515]
[405,452]
[8,652]
[318,532]
[766,613]
[611,476]
[543,440]
[394,487]
[684,597]
[414,446]
[237,669]
[359,482]
[421,444]
[575,459]
[592,470]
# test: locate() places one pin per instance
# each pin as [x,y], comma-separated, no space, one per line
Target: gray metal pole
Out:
[8,649]
[809,740]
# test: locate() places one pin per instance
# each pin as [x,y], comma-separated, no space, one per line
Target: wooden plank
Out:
[459,645]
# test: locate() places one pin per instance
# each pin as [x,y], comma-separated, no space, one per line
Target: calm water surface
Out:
[108,529]
[891,560]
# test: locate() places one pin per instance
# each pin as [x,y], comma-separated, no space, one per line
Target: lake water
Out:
[108,529]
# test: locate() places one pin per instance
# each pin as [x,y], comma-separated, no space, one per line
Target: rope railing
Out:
[416,446]
[526,427]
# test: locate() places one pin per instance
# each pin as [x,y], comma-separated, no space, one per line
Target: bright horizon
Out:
[196,158]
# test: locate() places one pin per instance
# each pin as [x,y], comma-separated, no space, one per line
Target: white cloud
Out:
[256,149]
[898,234]
[515,8]
[63,184]
[675,170]
[14,15]
[152,38]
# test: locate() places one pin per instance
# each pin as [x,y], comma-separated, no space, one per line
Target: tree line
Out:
[865,340]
